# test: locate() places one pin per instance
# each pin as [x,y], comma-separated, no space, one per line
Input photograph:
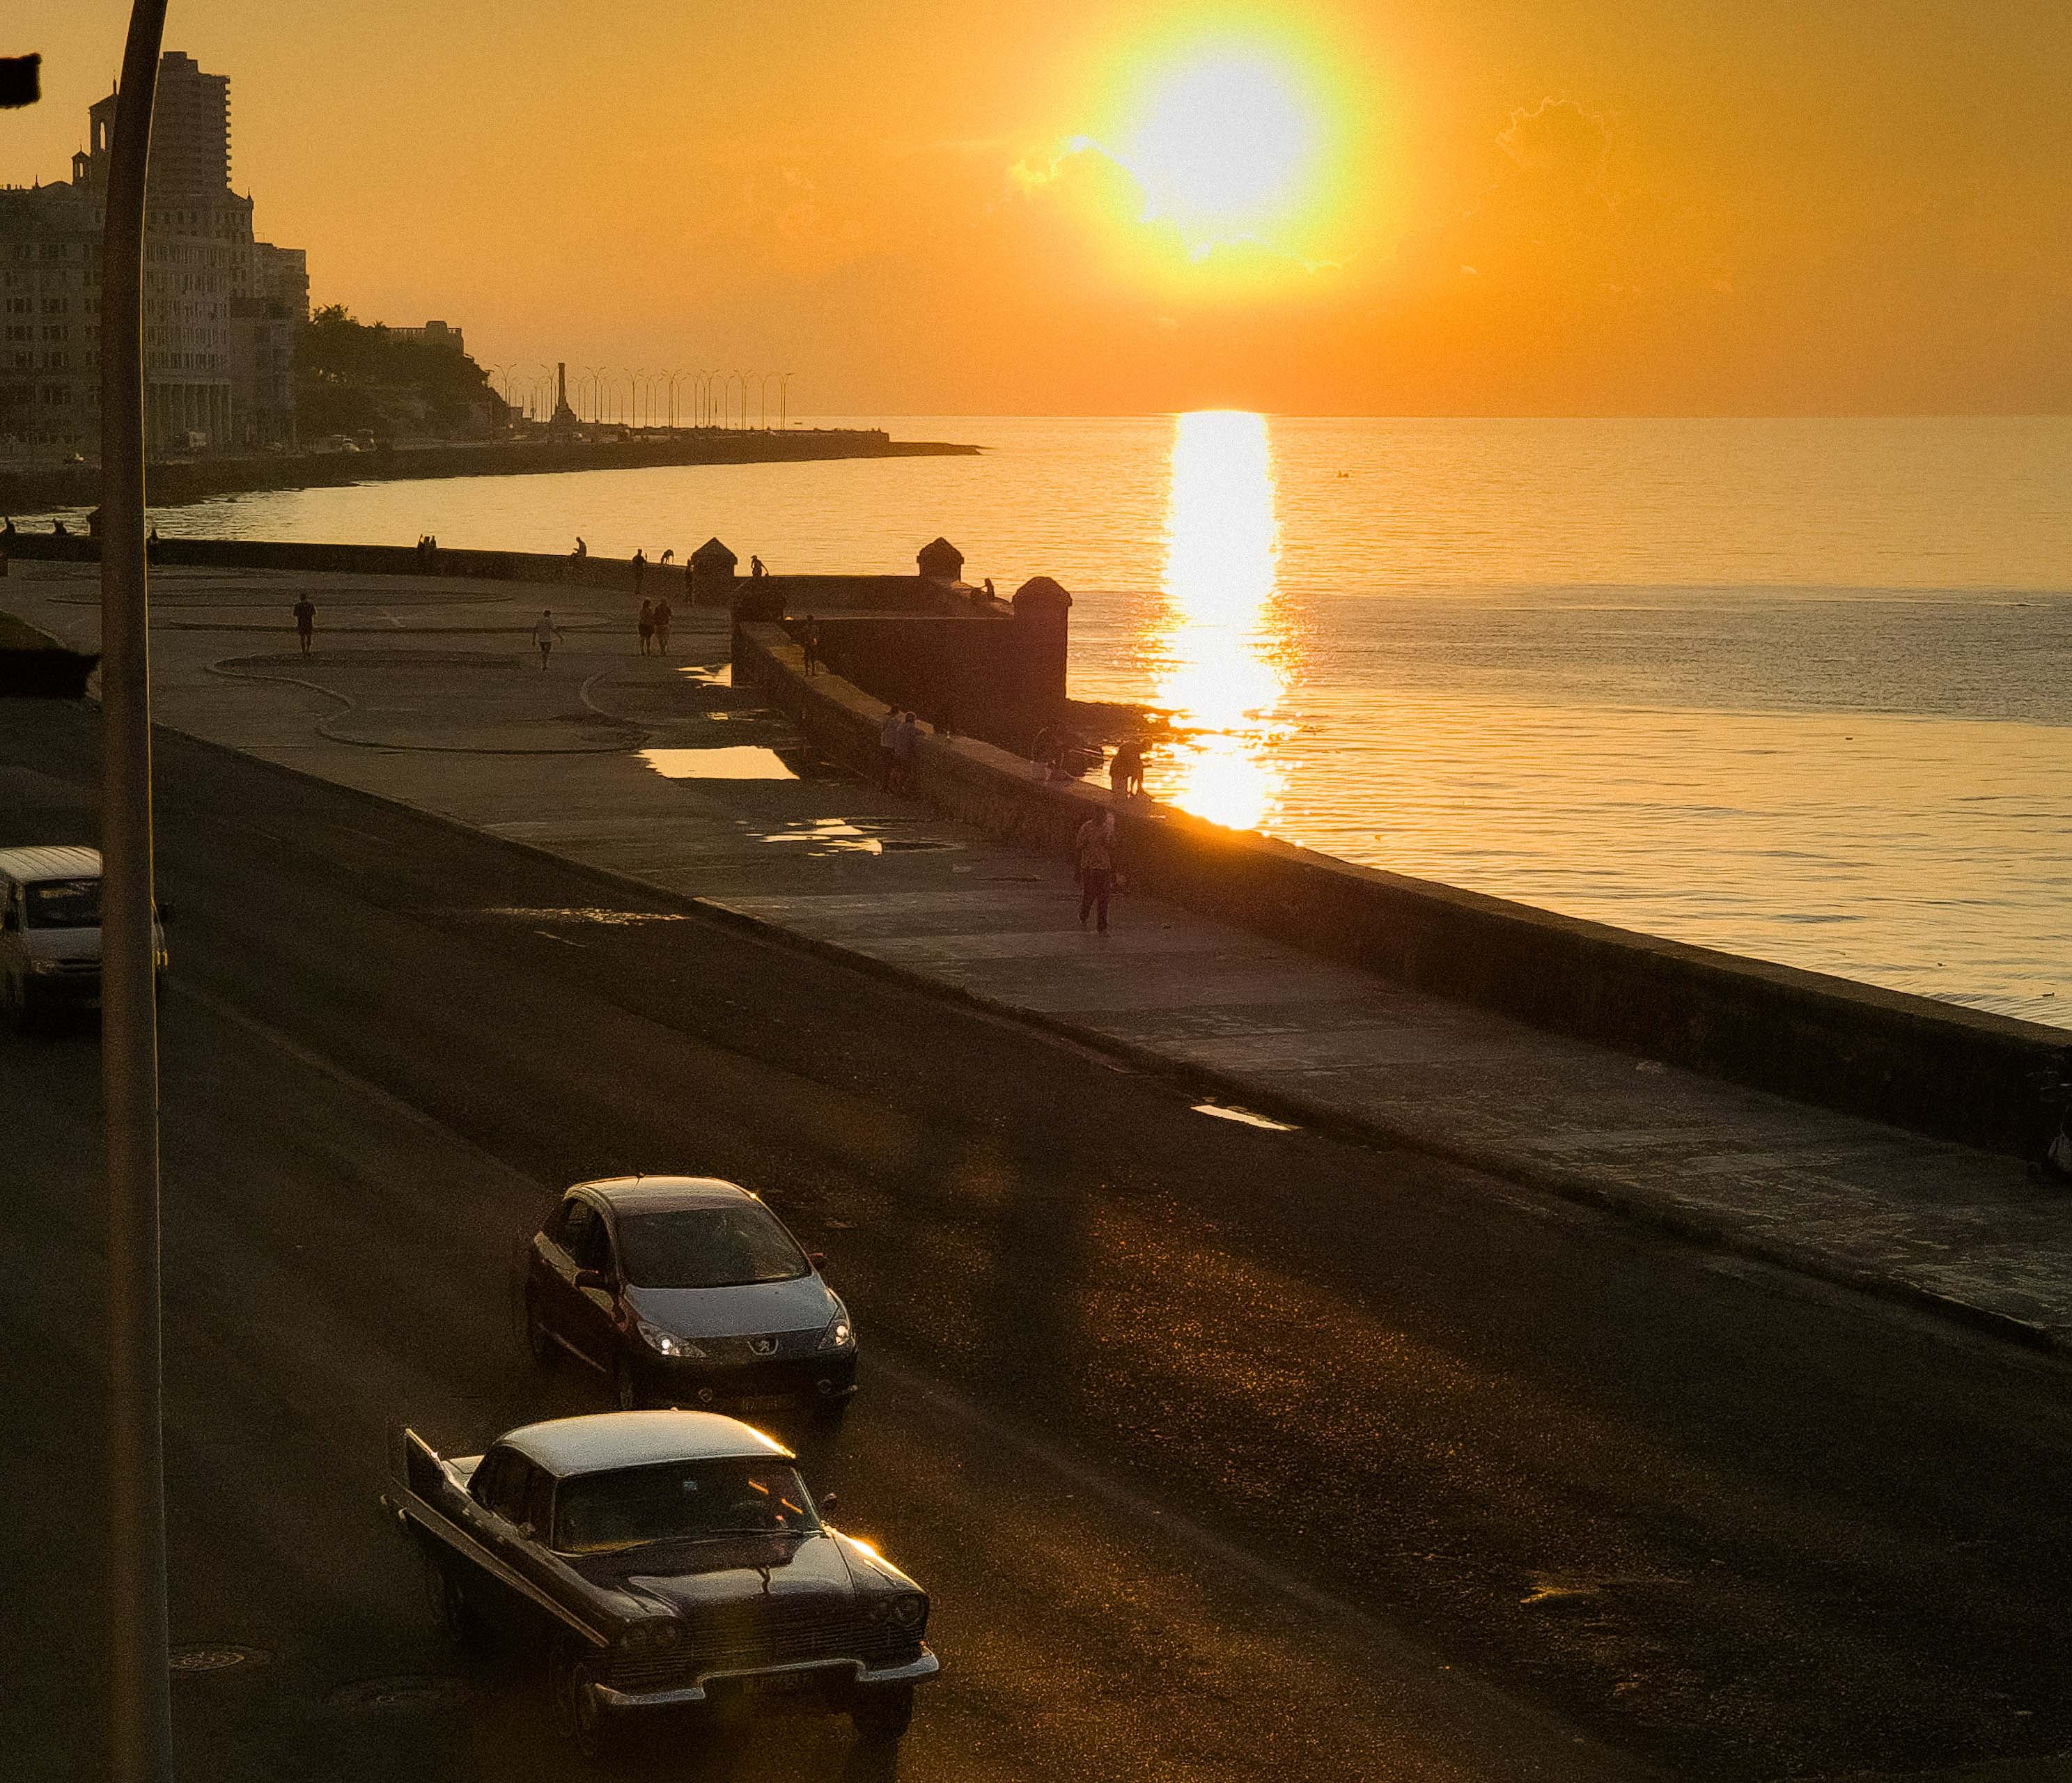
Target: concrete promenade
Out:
[430,694]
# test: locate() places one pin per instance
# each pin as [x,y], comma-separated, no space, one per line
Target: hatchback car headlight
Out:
[665,1343]
[839,1333]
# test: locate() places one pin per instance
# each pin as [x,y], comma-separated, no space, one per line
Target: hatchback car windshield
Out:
[707,1247]
[679,1501]
[63,903]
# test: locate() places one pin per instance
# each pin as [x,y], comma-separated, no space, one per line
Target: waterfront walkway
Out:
[657,773]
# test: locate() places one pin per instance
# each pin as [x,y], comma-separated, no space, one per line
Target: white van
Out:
[50,931]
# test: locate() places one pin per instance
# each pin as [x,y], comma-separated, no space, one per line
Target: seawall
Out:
[168,485]
[1931,1067]
[366,559]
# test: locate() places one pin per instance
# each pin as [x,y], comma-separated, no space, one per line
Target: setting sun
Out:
[1223,148]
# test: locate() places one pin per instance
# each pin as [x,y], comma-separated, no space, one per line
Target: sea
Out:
[1800,689]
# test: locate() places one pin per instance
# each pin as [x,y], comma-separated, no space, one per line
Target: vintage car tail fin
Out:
[421,1470]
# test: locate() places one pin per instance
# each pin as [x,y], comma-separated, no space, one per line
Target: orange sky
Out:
[1521,206]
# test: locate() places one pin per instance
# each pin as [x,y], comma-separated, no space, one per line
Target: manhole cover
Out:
[408,1690]
[217,1656]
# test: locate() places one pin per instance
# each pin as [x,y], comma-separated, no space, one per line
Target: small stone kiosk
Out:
[712,580]
[1042,642]
[940,561]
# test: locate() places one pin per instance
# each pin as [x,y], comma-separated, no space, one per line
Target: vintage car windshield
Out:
[707,1247]
[63,903]
[679,1501]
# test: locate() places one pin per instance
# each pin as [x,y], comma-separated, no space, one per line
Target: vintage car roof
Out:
[665,1194]
[30,864]
[604,1440]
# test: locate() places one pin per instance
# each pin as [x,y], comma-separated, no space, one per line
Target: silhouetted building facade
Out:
[221,309]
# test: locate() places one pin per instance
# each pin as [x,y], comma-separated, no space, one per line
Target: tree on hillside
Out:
[352,376]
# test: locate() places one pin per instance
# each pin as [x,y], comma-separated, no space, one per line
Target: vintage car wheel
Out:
[593,1729]
[545,1351]
[456,1619]
[885,1713]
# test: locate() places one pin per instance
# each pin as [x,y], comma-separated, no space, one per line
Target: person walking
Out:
[756,572]
[888,755]
[305,621]
[810,642]
[663,616]
[647,626]
[640,568]
[1096,853]
[545,634]
[906,750]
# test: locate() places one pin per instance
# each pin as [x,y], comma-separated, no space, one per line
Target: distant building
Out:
[432,334]
[220,308]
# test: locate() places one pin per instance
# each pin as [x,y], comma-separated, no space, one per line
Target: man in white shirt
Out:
[544,635]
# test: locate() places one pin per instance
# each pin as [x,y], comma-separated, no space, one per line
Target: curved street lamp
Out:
[784,400]
[594,373]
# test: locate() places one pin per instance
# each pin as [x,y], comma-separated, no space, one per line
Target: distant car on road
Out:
[50,932]
[667,1560]
[687,1291]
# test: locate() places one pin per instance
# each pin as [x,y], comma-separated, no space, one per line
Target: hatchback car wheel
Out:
[538,1339]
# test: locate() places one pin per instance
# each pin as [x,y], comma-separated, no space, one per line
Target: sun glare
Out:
[1223,148]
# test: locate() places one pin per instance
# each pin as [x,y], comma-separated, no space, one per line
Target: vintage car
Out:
[687,1291]
[668,1560]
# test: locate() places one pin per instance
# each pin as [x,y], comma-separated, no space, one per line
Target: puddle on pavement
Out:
[733,762]
[1243,1116]
[721,677]
[612,918]
[829,833]
[837,834]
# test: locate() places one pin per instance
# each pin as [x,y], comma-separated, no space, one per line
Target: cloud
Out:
[1033,173]
[1562,144]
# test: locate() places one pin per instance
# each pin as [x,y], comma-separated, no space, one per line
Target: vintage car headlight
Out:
[664,1343]
[839,1333]
[644,1638]
[907,1610]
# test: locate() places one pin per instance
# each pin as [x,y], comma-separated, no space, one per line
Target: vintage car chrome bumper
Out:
[861,1677]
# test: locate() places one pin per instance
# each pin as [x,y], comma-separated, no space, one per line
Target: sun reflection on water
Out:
[1219,654]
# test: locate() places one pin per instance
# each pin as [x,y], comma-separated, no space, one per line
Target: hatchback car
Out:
[687,1291]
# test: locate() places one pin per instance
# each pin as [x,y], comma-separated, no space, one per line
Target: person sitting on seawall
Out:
[8,531]
[582,550]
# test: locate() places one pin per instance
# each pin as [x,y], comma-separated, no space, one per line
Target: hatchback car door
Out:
[596,1310]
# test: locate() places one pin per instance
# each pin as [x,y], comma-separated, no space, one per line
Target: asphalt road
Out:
[1225,1453]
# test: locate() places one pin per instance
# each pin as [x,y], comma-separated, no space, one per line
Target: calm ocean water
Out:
[1801,689]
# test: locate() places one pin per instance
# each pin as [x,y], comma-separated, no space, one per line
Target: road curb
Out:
[1658,1213]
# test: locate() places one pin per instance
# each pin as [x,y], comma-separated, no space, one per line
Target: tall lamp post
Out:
[139,1717]
[784,400]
